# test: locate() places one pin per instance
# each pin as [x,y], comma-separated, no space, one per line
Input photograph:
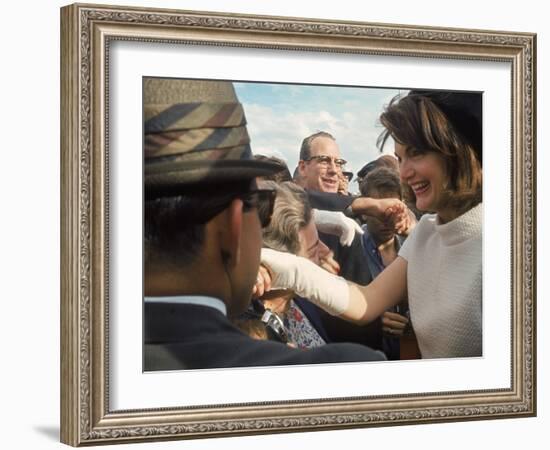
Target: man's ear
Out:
[301,167]
[230,230]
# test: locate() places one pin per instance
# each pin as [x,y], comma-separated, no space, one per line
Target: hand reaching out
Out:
[394,324]
[395,213]
[398,215]
[332,222]
[327,262]
[263,282]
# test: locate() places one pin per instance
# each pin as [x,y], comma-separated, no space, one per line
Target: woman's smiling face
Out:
[426,175]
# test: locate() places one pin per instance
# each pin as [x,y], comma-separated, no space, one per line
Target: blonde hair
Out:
[292,212]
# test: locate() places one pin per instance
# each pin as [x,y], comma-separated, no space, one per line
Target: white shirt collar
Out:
[212,302]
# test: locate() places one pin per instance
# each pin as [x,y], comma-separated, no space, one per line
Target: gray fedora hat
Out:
[195,135]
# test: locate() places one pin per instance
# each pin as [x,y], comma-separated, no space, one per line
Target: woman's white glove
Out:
[333,222]
[308,280]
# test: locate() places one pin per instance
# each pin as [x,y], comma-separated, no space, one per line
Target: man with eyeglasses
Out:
[320,168]
[320,164]
[203,233]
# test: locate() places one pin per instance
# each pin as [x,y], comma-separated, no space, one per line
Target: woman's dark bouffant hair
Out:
[416,121]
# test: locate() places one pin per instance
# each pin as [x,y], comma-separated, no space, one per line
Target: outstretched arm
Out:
[340,297]
[388,289]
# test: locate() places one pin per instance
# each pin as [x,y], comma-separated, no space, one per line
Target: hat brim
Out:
[164,179]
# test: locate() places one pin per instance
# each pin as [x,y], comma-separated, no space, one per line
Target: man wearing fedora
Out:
[203,233]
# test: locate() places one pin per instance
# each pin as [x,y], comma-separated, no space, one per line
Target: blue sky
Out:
[279,116]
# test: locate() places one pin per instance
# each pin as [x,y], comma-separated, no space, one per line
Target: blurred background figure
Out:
[388,161]
[381,246]
[345,178]
[279,177]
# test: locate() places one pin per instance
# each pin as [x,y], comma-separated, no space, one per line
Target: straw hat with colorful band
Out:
[195,133]
[183,141]
[188,116]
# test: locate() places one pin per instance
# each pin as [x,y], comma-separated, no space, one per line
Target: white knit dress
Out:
[444,281]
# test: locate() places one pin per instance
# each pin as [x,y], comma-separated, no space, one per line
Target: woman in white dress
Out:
[439,268]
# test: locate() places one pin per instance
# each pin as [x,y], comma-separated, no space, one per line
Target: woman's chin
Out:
[424,206]
[421,206]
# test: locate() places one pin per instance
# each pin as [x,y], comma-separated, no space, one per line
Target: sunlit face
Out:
[380,232]
[426,175]
[311,246]
[317,176]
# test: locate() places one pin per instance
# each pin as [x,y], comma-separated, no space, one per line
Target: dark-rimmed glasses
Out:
[325,160]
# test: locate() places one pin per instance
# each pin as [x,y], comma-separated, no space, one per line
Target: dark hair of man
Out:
[305,150]
[417,123]
[174,227]
[383,180]
[278,177]
[388,161]
[292,212]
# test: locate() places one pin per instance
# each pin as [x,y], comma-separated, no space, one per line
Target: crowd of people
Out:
[248,265]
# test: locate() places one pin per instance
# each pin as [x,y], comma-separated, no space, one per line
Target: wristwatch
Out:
[275,326]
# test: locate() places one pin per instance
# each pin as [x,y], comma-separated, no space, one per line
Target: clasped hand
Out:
[395,213]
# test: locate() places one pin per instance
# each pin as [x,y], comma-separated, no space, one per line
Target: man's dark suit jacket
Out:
[353,267]
[199,337]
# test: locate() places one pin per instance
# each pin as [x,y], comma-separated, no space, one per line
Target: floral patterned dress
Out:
[300,330]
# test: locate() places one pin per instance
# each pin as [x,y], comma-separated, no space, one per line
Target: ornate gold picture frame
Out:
[87,34]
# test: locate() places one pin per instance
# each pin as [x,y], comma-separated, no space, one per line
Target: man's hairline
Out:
[323,137]
[310,143]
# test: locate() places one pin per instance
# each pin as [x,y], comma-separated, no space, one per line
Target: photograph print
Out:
[290,224]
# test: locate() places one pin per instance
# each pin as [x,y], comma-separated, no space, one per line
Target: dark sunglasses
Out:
[210,203]
[261,199]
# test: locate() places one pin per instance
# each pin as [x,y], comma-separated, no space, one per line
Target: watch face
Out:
[275,326]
